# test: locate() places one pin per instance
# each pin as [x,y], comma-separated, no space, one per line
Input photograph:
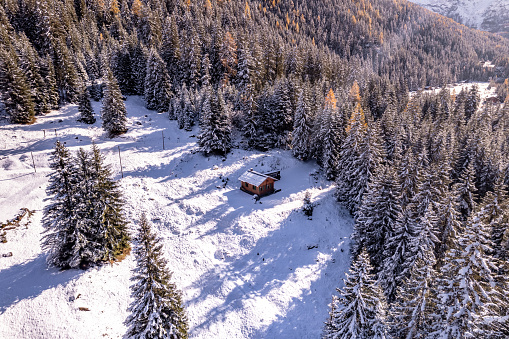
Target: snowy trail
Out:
[247,270]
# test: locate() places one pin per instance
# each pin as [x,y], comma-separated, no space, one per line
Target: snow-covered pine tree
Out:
[113,111]
[157,83]
[470,302]
[331,136]
[359,311]
[361,153]
[65,236]
[398,254]
[496,216]
[14,89]
[48,71]
[85,107]
[157,310]
[86,211]
[250,127]
[301,142]
[466,193]
[416,300]
[472,102]
[378,215]
[448,225]
[408,174]
[245,65]
[111,226]
[215,136]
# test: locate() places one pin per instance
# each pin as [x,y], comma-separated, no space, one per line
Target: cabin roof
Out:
[254,178]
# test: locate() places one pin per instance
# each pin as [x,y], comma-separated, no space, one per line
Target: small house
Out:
[261,184]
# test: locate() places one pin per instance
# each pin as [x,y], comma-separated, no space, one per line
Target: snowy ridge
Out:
[246,269]
[489,15]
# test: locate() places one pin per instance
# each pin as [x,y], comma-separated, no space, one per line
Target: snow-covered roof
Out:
[254,178]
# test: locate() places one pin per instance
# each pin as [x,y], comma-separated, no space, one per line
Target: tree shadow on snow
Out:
[271,263]
[28,280]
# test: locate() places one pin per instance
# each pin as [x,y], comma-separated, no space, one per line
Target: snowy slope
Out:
[246,270]
[489,15]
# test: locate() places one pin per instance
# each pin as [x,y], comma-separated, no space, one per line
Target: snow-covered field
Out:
[246,269]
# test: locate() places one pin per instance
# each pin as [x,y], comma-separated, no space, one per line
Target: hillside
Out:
[245,269]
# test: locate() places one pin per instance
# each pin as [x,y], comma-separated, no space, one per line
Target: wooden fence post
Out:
[33,162]
[121,170]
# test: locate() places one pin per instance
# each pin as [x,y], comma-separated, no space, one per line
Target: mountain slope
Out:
[246,270]
[488,15]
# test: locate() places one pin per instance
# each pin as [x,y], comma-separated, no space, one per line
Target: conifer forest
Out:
[389,124]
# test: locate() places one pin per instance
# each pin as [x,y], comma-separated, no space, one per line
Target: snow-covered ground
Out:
[246,269]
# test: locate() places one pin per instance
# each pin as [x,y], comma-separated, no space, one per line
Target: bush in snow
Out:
[308,205]
[157,310]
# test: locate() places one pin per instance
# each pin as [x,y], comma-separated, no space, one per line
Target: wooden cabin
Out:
[261,184]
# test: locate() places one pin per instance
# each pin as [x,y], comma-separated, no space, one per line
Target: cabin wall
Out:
[265,188]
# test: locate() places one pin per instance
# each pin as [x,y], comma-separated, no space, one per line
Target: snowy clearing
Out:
[246,269]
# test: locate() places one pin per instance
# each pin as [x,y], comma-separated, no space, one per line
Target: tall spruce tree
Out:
[215,136]
[378,215]
[67,234]
[301,142]
[14,89]
[157,83]
[85,107]
[157,310]
[113,111]
[361,153]
[111,225]
[470,302]
[359,311]
[416,299]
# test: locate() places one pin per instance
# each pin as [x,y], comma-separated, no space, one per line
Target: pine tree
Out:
[378,215]
[470,302]
[448,225]
[472,102]
[359,311]
[111,226]
[332,125]
[157,310]
[66,237]
[496,216]
[417,296]
[14,89]
[466,195]
[398,254]
[215,136]
[361,153]
[48,72]
[301,142]
[85,107]
[113,110]
[157,83]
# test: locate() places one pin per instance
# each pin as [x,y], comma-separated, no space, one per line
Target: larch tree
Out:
[157,310]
